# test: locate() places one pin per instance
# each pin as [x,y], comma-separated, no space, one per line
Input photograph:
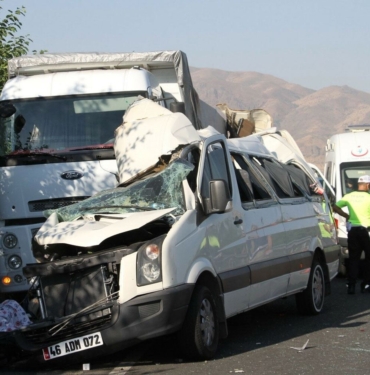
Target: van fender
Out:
[315,243]
[202,267]
[197,268]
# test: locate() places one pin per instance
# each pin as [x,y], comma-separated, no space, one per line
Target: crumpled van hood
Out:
[87,232]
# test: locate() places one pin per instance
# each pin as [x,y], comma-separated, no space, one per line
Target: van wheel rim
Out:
[318,288]
[207,322]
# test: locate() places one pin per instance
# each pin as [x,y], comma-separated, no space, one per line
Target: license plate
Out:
[73,346]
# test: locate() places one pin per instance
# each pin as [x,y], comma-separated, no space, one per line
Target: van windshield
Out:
[158,191]
[63,123]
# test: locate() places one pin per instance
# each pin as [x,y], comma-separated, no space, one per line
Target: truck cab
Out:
[58,115]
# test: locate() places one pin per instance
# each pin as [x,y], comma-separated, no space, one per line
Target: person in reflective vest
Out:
[358,222]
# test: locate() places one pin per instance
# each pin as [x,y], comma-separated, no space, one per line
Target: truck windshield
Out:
[63,123]
[158,191]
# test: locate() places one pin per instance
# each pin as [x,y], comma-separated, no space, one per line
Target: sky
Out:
[314,43]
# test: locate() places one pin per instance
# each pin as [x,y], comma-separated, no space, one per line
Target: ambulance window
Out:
[250,187]
[215,168]
[350,173]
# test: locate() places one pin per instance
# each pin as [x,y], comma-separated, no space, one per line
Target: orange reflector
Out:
[336,221]
[6,280]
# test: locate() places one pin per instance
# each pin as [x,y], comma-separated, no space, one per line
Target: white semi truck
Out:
[58,114]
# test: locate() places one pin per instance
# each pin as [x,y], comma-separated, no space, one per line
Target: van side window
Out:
[301,182]
[215,168]
[249,185]
[193,157]
[276,175]
[244,183]
[301,178]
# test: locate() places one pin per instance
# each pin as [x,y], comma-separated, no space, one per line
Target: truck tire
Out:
[311,300]
[198,337]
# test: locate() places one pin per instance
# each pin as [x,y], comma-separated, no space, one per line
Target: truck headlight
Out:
[15,262]
[10,241]
[148,269]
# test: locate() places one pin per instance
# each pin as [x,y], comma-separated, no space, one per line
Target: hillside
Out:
[310,116]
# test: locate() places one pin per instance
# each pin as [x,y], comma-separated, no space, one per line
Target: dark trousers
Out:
[358,241]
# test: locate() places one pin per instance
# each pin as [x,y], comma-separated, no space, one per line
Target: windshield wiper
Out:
[33,153]
[94,147]
[104,207]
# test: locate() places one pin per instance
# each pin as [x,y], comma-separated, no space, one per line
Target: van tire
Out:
[199,335]
[311,300]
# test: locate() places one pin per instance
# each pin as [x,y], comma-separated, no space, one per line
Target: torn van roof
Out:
[149,131]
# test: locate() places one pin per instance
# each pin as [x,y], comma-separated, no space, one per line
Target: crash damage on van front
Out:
[80,297]
[197,231]
[80,286]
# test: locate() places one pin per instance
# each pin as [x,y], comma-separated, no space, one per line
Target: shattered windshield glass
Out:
[158,191]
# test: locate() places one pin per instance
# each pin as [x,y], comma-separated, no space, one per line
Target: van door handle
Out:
[238,221]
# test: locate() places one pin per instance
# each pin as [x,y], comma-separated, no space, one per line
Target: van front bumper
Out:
[144,317]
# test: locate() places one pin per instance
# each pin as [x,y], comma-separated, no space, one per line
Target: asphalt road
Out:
[260,342]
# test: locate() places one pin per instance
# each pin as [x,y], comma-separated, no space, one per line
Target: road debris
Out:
[302,348]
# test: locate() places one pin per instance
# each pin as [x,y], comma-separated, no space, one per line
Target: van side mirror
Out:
[177,107]
[219,197]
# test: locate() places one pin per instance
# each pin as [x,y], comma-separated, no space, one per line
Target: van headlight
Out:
[148,268]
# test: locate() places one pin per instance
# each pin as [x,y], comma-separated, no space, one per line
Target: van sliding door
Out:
[268,261]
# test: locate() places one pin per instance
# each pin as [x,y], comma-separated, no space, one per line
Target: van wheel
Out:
[311,300]
[198,337]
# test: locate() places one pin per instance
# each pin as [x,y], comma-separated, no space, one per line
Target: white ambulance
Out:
[347,158]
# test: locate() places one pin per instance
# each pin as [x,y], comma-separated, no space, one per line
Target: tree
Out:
[11,45]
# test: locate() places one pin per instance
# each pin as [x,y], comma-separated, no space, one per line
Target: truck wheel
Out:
[198,338]
[311,300]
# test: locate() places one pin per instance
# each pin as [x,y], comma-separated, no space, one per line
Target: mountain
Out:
[310,116]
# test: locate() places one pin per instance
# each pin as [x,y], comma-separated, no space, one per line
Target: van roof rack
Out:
[358,128]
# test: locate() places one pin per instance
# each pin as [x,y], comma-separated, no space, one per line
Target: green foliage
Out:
[11,45]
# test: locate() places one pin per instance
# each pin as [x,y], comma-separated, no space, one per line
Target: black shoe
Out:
[365,288]
[351,289]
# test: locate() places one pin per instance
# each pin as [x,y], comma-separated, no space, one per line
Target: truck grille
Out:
[52,204]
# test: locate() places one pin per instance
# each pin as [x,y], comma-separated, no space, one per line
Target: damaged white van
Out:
[200,229]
